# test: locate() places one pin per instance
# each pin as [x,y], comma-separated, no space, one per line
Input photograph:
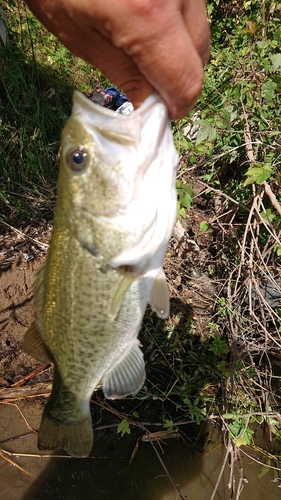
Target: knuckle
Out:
[144,8]
[140,23]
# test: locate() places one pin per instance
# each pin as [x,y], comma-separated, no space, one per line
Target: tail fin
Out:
[75,437]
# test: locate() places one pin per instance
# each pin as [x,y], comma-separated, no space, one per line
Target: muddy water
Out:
[107,474]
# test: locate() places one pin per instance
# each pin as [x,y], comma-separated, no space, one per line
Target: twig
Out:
[272,197]
[242,479]
[23,235]
[183,497]
[15,464]
[39,455]
[5,200]
[262,464]
[21,436]
[224,195]
[33,374]
[23,417]
[152,424]
[161,436]
[26,391]
[228,451]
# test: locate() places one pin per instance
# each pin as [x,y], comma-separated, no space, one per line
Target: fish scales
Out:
[114,216]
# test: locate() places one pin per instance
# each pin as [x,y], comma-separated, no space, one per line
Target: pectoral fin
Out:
[127,376]
[33,345]
[159,296]
[124,284]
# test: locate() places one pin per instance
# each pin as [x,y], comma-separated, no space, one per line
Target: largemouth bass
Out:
[114,216]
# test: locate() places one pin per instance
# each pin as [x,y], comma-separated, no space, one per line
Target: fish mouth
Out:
[110,124]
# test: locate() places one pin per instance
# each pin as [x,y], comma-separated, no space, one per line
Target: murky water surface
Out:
[107,474]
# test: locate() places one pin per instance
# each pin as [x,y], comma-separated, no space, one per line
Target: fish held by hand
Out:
[114,216]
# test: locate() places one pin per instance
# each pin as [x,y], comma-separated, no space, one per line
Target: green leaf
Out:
[204,226]
[206,132]
[257,175]
[228,416]
[238,365]
[247,3]
[182,212]
[235,428]
[268,215]
[123,428]
[168,424]
[200,148]
[202,135]
[262,44]
[223,367]
[218,346]
[184,144]
[276,61]
[245,438]
[264,470]
[187,200]
[269,88]
[277,250]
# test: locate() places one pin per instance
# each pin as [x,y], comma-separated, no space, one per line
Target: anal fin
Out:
[127,376]
[159,296]
[33,344]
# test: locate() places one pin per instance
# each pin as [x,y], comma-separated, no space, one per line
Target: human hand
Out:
[139,45]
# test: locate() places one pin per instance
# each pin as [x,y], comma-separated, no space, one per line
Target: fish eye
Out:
[77,159]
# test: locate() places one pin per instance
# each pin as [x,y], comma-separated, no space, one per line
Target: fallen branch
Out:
[35,372]
[26,391]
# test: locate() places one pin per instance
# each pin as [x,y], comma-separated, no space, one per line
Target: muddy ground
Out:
[20,259]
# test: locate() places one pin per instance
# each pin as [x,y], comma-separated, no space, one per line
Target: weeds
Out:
[37,79]
[237,152]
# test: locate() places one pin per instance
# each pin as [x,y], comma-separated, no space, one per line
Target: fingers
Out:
[139,45]
[198,27]
[79,27]
[113,62]
[169,42]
